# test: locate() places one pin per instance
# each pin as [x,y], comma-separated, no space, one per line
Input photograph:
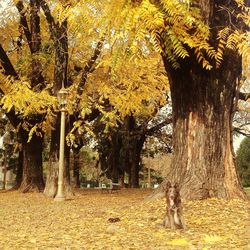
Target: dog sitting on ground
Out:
[174,218]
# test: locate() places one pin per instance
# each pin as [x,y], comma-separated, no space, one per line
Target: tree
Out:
[243,161]
[203,103]
[200,43]
[32,177]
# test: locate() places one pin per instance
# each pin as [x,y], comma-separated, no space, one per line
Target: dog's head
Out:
[173,195]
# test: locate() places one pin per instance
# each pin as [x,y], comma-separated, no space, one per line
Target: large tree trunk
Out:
[203,103]
[32,177]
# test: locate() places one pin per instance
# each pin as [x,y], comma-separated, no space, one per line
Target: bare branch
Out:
[244,96]
[159,126]
[239,131]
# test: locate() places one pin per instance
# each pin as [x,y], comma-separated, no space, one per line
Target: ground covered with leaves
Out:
[123,220]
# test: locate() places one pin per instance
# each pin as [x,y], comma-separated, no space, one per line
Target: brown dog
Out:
[174,218]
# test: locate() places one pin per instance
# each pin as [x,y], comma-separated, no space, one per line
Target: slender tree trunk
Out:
[114,157]
[32,176]
[135,155]
[134,172]
[4,171]
[122,180]
[76,168]
[133,142]
[19,174]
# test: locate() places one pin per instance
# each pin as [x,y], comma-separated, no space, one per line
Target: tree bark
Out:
[19,175]
[203,103]
[114,157]
[32,177]
[76,168]
[52,174]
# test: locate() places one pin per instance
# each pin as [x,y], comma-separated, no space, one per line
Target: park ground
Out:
[33,221]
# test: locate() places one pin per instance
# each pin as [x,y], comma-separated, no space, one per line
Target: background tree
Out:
[243,161]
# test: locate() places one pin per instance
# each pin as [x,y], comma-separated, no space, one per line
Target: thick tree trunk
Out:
[52,174]
[203,105]
[203,102]
[32,177]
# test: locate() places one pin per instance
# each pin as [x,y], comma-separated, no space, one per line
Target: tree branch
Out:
[239,131]
[244,96]
[24,23]
[159,126]
[6,64]
[86,70]
[49,17]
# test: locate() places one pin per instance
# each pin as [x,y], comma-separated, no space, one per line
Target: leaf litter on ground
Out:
[123,220]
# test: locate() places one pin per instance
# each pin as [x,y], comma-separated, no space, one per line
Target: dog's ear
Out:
[166,186]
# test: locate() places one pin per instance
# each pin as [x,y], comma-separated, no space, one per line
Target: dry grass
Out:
[32,221]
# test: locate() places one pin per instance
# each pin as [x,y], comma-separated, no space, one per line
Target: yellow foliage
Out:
[129,89]
[171,25]
[24,100]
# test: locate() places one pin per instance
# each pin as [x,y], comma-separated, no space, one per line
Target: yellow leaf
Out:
[212,238]
[178,242]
